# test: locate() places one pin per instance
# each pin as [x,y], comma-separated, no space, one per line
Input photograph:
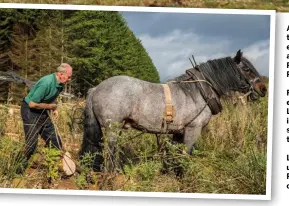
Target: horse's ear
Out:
[238,56]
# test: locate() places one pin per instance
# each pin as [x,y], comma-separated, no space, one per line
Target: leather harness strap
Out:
[206,90]
[169,108]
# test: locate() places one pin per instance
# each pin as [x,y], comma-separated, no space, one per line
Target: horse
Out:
[195,97]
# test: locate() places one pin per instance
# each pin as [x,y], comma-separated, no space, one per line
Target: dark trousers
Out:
[37,122]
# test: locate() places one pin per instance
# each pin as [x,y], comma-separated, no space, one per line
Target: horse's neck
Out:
[207,91]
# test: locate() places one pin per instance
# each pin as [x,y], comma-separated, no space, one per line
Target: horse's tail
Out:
[92,135]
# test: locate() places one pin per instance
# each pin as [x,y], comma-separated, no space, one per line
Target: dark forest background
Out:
[98,45]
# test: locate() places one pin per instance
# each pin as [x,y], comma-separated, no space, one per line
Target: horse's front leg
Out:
[178,138]
[190,137]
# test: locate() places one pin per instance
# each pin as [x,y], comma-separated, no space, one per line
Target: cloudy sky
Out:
[171,38]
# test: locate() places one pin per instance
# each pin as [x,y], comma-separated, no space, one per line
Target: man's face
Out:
[65,77]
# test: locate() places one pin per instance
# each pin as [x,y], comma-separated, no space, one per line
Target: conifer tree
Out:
[102,46]
[98,44]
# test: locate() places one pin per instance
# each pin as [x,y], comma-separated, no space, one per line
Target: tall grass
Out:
[230,156]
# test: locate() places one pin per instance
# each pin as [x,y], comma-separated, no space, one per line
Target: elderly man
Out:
[36,106]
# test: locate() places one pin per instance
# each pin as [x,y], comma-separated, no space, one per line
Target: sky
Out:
[171,38]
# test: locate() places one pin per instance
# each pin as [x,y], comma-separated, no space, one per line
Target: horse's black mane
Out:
[222,73]
[186,87]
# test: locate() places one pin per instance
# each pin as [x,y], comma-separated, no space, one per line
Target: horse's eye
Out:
[246,69]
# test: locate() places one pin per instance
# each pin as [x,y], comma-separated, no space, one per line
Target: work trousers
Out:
[37,122]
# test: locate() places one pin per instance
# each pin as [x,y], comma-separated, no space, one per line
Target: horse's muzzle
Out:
[260,88]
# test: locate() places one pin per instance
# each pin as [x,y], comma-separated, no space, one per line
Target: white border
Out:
[270,104]
[172,10]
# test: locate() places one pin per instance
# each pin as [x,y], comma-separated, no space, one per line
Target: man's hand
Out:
[55,114]
[53,107]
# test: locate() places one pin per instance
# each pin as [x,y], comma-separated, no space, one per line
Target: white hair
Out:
[63,67]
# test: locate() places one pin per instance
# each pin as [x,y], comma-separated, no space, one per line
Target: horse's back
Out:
[123,79]
[119,85]
[122,97]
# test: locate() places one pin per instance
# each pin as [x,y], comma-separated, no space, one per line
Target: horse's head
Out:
[251,76]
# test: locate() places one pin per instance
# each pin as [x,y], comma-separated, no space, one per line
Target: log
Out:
[68,165]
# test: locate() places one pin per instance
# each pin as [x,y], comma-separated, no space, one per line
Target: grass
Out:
[9,161]
[230,156]
[279,5]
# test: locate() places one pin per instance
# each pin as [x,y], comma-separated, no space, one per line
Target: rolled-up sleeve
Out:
[38,95]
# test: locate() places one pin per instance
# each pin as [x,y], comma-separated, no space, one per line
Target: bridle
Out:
[251,82]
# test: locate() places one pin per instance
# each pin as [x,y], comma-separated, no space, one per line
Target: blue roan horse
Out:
[195,98]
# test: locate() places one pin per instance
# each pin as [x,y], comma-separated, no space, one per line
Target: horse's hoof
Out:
[96,168]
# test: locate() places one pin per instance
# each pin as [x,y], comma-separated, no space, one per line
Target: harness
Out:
[206,89]
[170,111]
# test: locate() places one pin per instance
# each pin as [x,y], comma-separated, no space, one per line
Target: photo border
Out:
[271,13]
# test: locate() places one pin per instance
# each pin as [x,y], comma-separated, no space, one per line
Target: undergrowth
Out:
[230,157]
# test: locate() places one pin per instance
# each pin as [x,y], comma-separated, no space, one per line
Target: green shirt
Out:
[46,90]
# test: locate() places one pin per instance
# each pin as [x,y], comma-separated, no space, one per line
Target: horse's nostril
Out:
[263,90]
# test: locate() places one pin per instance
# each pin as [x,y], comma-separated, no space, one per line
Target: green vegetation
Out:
[102,45]
[85,177]
[52,158]
[97,44]
[230,158]
[231,153]
[9,161]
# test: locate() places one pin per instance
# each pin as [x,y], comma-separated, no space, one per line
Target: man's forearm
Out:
[34,105]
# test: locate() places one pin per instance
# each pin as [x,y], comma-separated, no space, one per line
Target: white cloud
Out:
[170,53]
[258,54]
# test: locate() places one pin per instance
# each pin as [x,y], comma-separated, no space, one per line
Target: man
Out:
[36,107]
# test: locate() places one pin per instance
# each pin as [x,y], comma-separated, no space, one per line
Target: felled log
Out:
[68,165]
